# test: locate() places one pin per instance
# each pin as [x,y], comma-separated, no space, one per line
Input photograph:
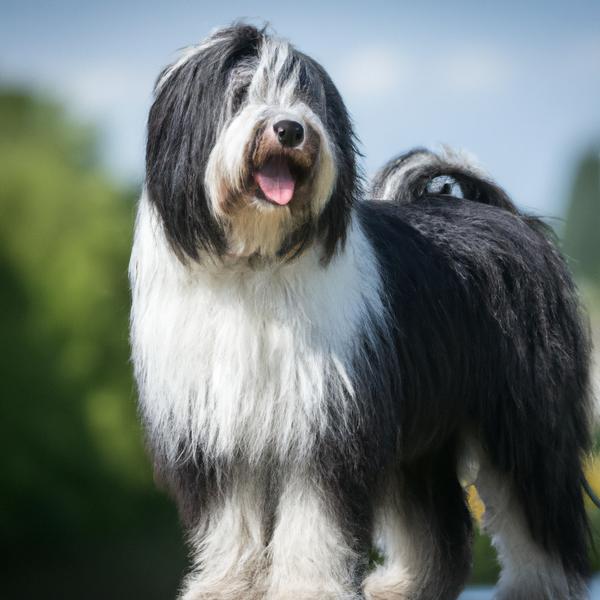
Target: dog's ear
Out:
[334,220]
[183,124]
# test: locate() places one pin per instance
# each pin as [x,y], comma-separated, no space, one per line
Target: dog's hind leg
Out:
[423,530]
[546,566]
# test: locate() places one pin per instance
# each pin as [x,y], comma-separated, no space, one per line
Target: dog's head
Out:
[250,150]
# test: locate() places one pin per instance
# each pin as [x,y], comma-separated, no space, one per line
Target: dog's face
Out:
[250,150]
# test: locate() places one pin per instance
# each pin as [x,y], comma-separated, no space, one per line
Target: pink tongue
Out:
[276,181]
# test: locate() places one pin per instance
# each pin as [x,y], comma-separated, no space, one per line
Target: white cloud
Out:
[372,71]
[477,69]
[377,71]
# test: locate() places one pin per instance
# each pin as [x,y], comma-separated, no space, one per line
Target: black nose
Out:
[289,133]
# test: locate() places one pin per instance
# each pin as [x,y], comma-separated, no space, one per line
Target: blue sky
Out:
[515,83]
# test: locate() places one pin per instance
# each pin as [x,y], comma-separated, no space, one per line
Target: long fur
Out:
[310,375]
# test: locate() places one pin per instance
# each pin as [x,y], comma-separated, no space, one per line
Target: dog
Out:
[321,365]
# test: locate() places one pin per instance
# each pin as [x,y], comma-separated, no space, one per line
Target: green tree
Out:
[582,229]
[76,491]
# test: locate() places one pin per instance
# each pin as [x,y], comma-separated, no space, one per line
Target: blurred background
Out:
[517,84]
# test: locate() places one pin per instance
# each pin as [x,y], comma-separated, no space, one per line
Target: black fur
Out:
[333,221]
[182,129]
[482,332]
[421,167]
[488,336]
[183,124]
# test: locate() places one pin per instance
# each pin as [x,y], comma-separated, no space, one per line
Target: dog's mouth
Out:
[276,180]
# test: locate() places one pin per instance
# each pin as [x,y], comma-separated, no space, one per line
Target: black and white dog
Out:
[316,370]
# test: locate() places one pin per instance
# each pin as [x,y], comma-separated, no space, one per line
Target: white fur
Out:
[460,159]
[228,158]
[310,557]
[307,556]
[528,572]
[261,228]
[229,547]
[267,86]
[395,180]
[229,358]
[402,539]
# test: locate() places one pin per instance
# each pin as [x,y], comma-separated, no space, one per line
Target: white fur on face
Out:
[233,359]
[261,228]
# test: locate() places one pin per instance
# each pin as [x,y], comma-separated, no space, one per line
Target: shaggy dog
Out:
[318,366]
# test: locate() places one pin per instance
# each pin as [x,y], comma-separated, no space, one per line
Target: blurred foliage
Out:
[76,491]
[581,235]
[78,507]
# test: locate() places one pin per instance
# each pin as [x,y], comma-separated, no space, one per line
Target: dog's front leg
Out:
[228,544]
[311,551]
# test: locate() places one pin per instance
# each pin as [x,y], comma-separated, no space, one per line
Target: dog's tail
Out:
[422,173]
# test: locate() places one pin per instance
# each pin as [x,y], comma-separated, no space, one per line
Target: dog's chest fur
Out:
[235,361]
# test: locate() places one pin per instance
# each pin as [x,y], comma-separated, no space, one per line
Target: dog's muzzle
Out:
[282,161]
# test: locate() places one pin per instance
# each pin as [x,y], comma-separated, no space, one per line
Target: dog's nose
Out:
[289,133]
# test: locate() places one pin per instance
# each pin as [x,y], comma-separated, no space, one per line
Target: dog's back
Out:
[487,301]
